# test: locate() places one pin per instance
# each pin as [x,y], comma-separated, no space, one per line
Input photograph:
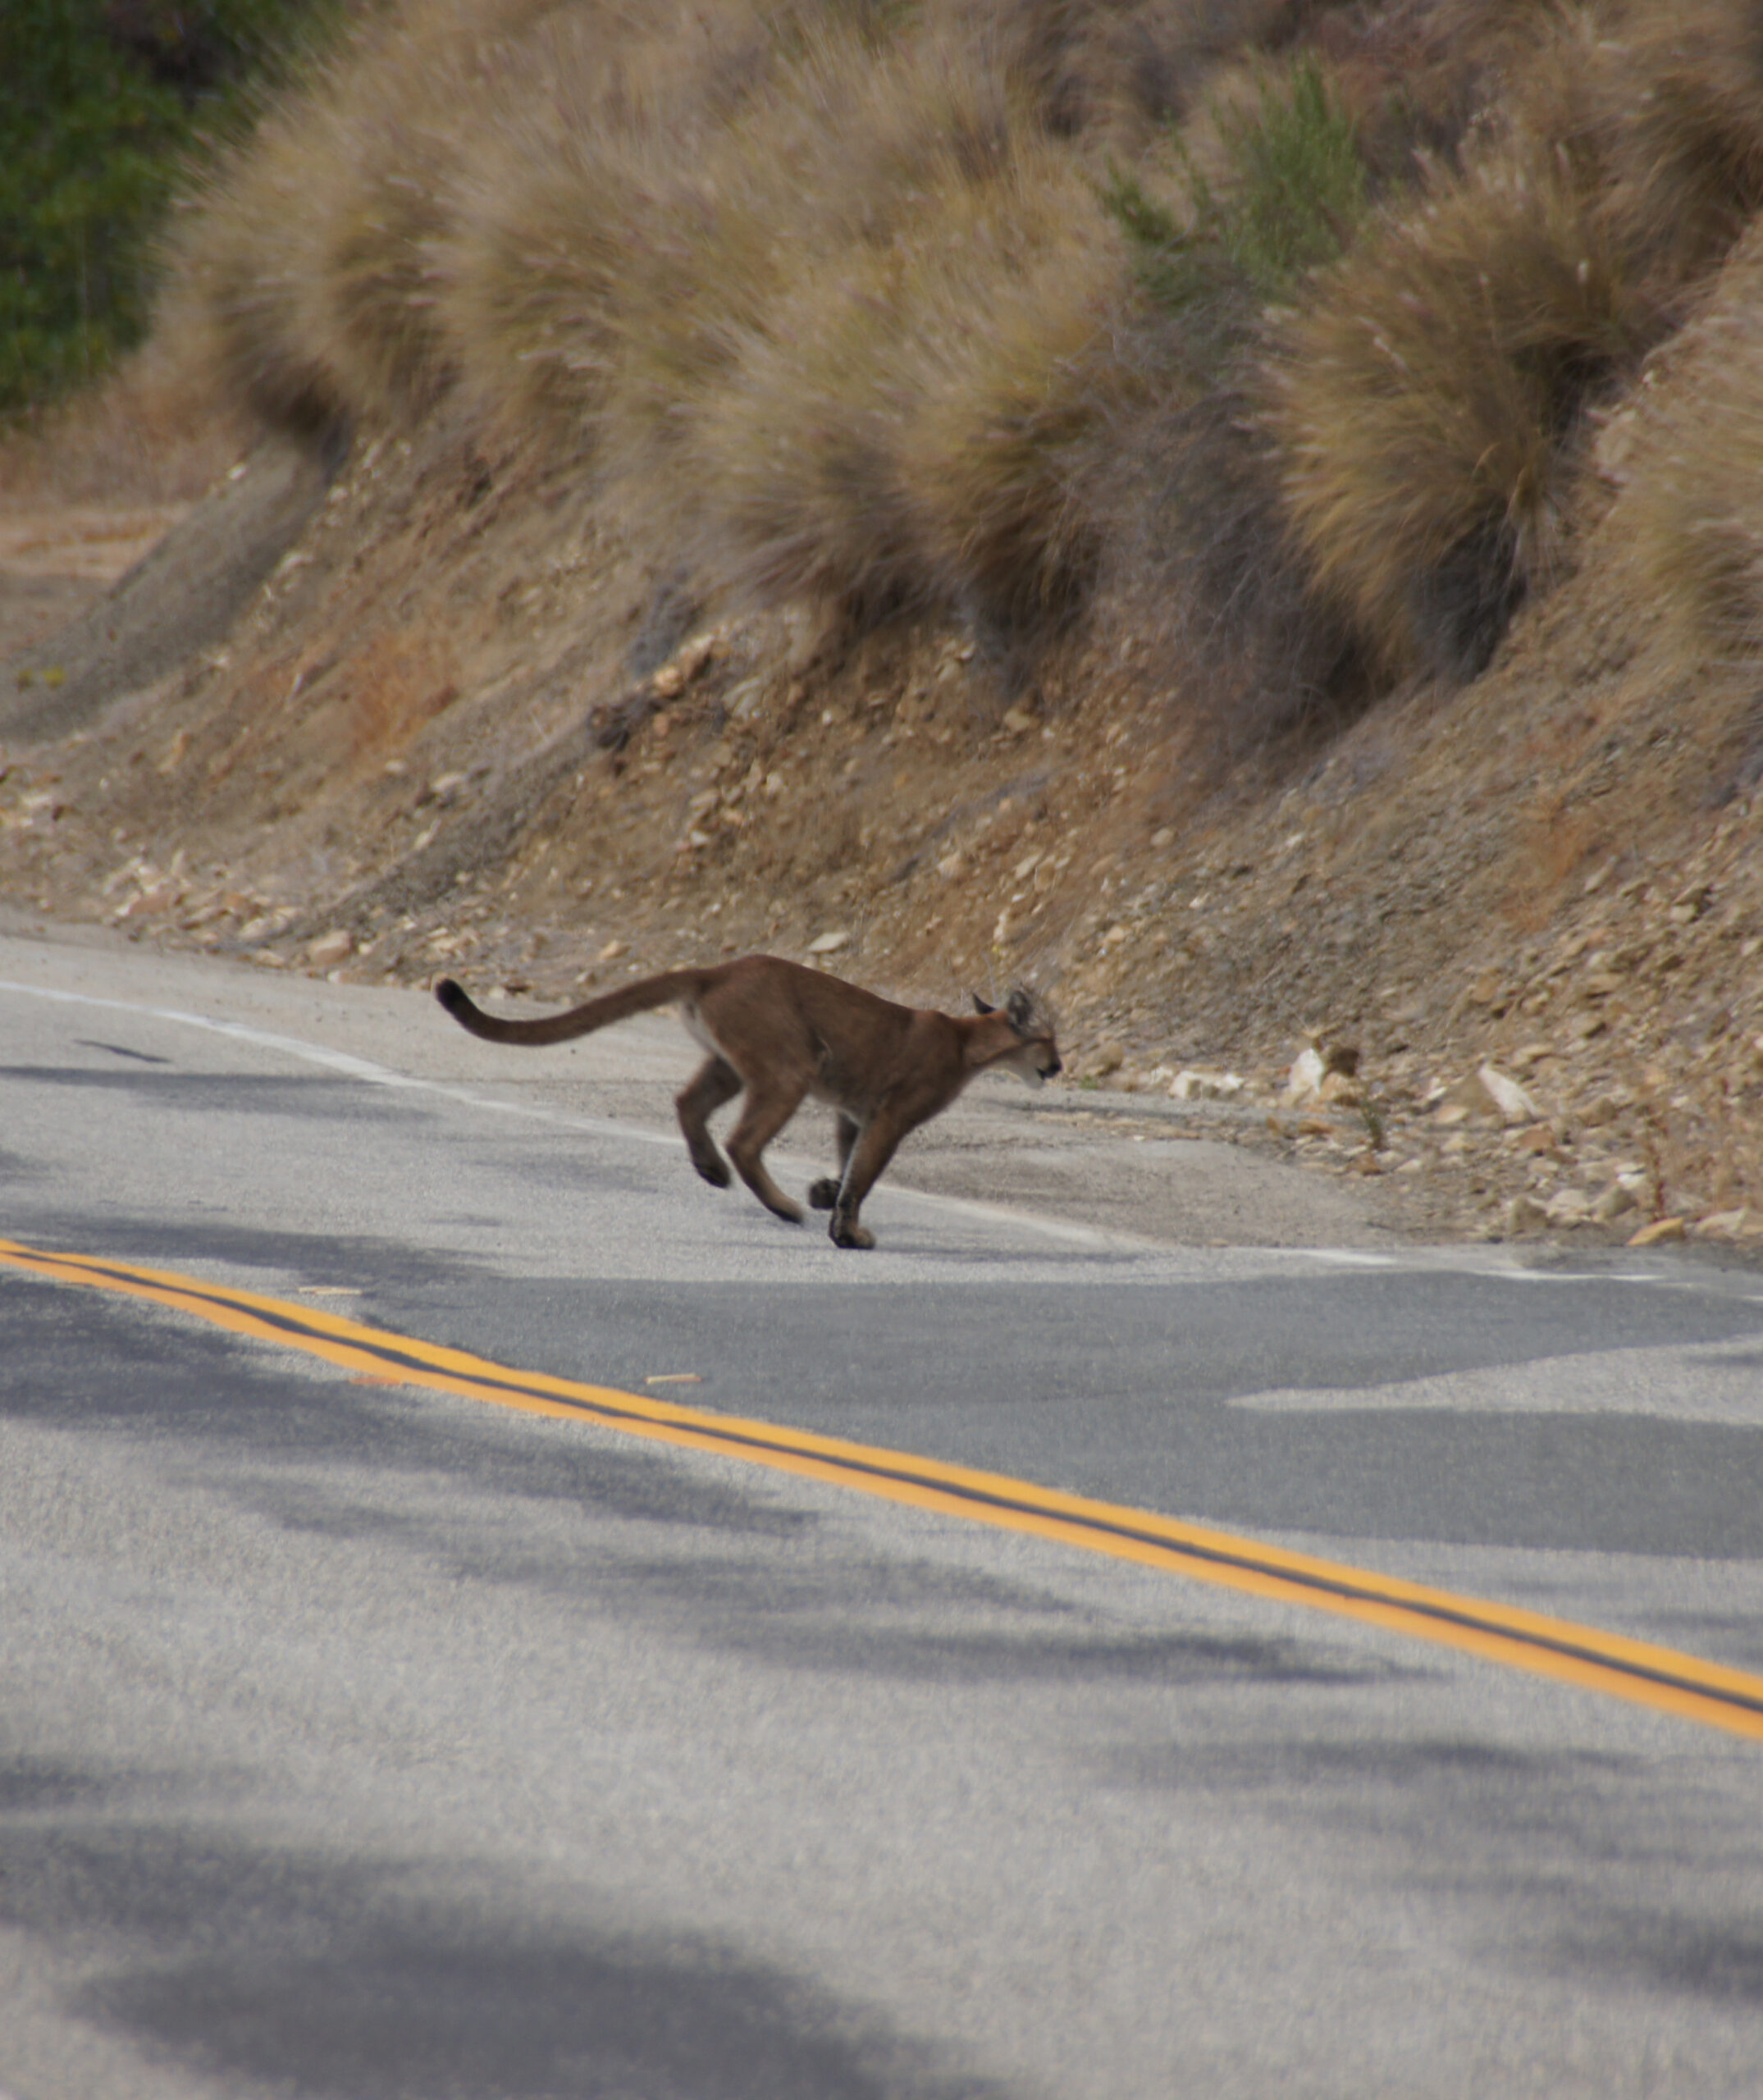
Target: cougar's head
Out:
[1036,1057]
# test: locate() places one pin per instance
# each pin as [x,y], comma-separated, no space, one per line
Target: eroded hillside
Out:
[492,713]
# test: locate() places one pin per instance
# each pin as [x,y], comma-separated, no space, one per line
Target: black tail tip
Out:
[453,996]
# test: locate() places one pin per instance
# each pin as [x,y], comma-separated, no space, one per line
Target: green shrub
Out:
[1289,192]
[85,156]
[95,120]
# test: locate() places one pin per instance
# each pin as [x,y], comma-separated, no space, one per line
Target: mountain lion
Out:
[783,1031]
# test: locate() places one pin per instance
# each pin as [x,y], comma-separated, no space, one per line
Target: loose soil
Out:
[432,715]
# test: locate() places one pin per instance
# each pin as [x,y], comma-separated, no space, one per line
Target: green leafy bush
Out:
[1291,191]
[100,103]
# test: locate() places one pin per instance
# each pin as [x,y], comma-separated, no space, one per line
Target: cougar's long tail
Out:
[629,999]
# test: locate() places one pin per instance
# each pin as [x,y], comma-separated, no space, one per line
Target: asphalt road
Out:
[362,1738]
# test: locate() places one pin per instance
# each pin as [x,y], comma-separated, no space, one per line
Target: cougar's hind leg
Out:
[769,1106]
[870,1155]
[714,1082]
[824,1193]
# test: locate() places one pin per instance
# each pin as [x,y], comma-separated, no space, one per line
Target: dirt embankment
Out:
[458,725]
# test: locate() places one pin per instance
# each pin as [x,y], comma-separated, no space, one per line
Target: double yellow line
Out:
[1596,1661]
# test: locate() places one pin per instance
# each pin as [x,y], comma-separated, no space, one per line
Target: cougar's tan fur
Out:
[782,1032]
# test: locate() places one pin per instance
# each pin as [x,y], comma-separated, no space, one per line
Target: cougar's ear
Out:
[979,1007]
[1019,1010]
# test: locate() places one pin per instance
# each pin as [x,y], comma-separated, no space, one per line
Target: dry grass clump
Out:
[301,276]
[820,288]
[701,290]
[1121,71]
[1013,388]
[1429,398]
[1418,77]
[827,289]
[528,276]
[899,428]
[1426,402]
[1684,88]
[799,494]
[390,136]
[1269,180]
[383,201]
[837,350]
[578,192]
[1658,109]
[1694,502]
[245,263]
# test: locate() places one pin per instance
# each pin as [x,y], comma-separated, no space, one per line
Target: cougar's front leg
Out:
[714,1082]
[871,1154]
[824,1193]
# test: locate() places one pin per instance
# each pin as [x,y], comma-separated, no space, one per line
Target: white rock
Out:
[1513,1104]
[830,943]
[1191,1085]
[1567,1207]
[697,653]
[1487,1091]
[330,949]
[1594,1114]
[1303,1082]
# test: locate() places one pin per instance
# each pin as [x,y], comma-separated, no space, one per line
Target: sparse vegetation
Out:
[1431,396]
[1288,194]
[959,478]
[1291,317]
[1679,102]
[99,107]
[1695,500]
[1428,403]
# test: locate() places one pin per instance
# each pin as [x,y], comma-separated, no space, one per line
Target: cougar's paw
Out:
[713,1169]
[824,1193]
[847,1232]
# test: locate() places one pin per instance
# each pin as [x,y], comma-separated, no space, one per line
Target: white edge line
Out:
[1092,1237]
[370,1073]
